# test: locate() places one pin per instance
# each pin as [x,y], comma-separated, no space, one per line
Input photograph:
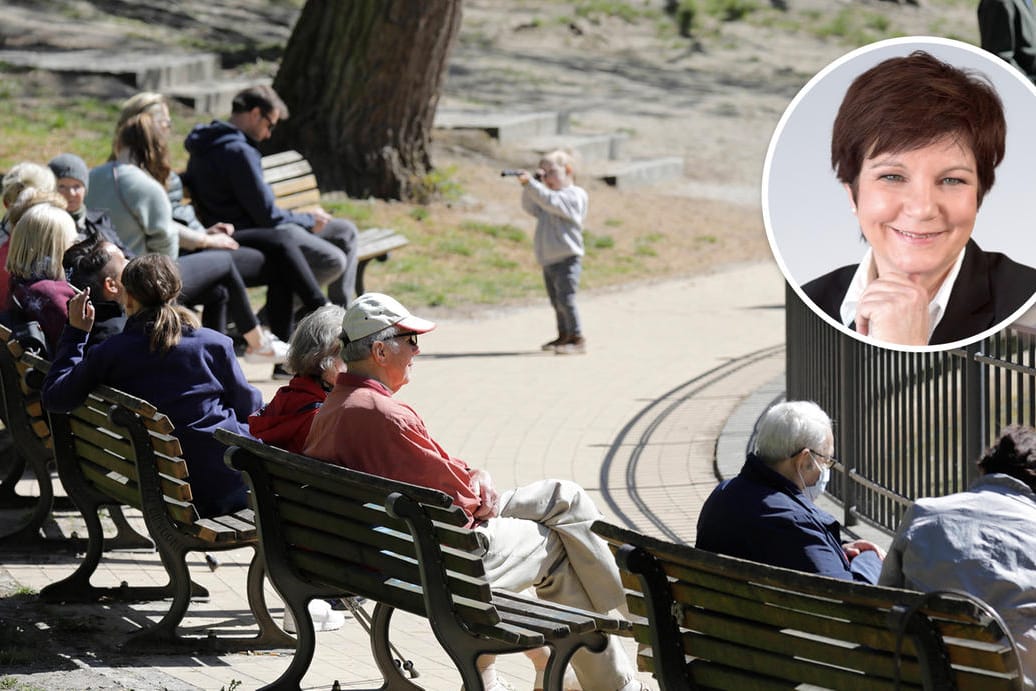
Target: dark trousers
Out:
[211,279]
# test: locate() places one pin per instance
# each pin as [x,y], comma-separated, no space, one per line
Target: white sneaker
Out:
[324,618]
[272,351]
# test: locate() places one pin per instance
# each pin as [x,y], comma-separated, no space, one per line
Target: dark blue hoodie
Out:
[225,174]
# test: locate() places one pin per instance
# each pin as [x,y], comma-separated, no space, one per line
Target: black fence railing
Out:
[906,425]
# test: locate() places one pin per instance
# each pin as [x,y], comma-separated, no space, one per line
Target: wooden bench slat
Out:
[280,158]
[300,200]
[285,188]
[332,505]
[367,552]
[218,530]
[287,171]
[115,487]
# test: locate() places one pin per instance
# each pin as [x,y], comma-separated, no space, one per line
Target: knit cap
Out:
[70,166]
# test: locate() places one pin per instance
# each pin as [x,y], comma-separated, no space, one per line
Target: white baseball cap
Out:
[372,312]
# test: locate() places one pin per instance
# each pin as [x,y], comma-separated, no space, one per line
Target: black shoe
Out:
[280,373]
[553,344]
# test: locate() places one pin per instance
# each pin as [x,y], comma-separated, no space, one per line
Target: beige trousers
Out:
[542,539]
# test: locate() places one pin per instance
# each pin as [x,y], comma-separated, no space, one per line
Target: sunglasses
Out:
[411,337]
[270,123]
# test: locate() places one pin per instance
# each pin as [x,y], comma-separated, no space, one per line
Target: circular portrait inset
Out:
[898,193]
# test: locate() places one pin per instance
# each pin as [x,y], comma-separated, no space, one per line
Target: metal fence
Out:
[906,425]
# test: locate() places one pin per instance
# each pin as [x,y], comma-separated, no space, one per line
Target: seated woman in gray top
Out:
[128,186]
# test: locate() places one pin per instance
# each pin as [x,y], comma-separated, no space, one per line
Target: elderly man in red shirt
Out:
[538,536]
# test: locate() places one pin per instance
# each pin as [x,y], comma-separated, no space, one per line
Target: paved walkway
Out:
[636,421]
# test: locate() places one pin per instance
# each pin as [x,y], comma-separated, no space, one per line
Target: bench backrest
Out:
[291,178]
[25,416]
[719,622]
[124,448]
[339,528]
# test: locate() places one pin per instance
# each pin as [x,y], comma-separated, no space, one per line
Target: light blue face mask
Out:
[816,489]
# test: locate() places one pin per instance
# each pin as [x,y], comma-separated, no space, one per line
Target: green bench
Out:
[295,188]
[117,450]
[325,530]
[716,622]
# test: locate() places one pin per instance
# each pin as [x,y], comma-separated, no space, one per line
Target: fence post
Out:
[975,412]
[849,413]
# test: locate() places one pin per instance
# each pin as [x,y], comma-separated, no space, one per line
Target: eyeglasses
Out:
[825,460]
[269,123]
[411,337]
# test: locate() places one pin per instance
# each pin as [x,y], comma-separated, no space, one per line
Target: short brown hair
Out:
[262,97]
[909,102]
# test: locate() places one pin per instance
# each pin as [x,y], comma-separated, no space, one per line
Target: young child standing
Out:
[560,208]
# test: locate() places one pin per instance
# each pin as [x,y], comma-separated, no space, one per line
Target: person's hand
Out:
[321,217]
[221,227]
[488,508]
[894,309]
[220,241]
[81,311]
[856,547]
[524,177]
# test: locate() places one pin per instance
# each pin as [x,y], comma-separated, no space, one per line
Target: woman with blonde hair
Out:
[41,235]
[20,177]
[163,356]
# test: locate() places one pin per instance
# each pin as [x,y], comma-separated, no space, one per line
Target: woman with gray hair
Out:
[314,357]
[767,513]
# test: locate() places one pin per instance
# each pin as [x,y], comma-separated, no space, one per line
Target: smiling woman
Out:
[915,145]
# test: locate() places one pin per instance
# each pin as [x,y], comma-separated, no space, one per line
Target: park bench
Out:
[295,188]
[33,448]
[326,530]
[713,621]
[117,450]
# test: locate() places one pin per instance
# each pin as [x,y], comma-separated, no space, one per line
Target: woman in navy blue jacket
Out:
[766,513]
[164,356]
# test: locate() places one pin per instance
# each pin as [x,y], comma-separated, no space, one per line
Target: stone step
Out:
[145,71]
[212,96]
[505,127]
[634,173]
[587,147]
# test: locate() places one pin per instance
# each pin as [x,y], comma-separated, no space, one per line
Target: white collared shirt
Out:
[867,272]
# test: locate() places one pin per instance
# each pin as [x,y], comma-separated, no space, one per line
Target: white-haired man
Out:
[767,513]
[538,535]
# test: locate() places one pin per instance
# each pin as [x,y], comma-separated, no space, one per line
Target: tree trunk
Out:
[361,80]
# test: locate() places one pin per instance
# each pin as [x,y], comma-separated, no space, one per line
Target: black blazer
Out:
[989,288]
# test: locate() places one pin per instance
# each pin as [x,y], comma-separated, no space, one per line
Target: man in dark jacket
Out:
[1008,28]
[225,176]
[766,514]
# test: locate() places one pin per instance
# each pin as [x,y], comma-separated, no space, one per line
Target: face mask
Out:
[815,490]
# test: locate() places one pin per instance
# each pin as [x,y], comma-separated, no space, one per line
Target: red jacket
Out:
[285,420]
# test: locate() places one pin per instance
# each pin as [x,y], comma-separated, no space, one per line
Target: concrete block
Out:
[212,96]
[588,147]
[146,71]
[642,172]
[505,127]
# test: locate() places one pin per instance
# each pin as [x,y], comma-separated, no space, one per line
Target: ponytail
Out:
[154,281]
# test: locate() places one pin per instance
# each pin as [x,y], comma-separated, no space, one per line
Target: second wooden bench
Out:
[326,530]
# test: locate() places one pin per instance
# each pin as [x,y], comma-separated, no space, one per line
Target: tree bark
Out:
[361,80]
